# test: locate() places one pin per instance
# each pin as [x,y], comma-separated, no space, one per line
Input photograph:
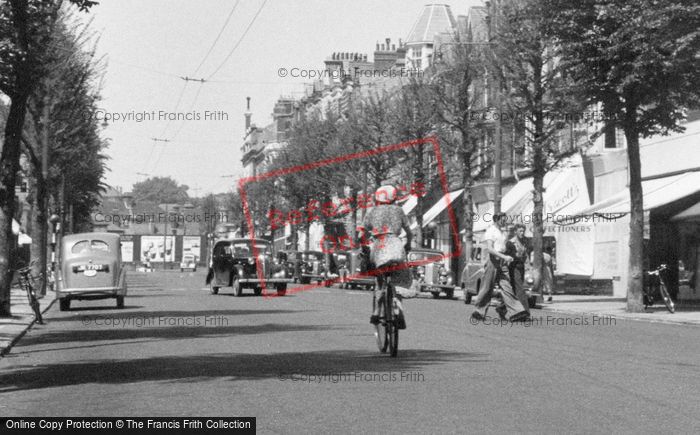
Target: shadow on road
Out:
[227,367]
[165,330]
[99,317]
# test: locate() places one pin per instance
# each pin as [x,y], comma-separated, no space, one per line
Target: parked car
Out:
[353,271]
[473,273]
[312,267]
[435,277]
[233,265]
[189,261]
[91,268]
[292,261]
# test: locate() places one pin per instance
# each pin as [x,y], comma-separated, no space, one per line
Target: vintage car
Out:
[233,265]
[434,277]
[90,268]
[312,267]
[292,261]
[189,261]
[351,270]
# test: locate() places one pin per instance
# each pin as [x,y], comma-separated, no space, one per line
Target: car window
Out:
[81,246]
[415,256]
[262,249]
[99,245]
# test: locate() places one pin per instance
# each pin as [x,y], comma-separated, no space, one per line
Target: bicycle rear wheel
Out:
[381,333]
[667,298]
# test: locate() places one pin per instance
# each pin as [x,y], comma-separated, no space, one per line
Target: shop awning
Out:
[439,207]
[15,227]
[689,214]
[657,193]
[565,189]
[409,204]
[24,239]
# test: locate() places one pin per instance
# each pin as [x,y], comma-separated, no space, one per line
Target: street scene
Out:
[327,217]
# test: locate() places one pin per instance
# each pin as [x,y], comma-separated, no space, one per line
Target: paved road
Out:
[307,363]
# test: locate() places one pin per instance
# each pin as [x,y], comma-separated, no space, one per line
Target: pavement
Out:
[687,313]
[13,328]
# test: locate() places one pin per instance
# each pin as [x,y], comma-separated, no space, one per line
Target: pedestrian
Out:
[496,271]
[517,247]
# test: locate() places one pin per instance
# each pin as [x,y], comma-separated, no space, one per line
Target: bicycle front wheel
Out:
[392,317]
[381,333]
[667,298]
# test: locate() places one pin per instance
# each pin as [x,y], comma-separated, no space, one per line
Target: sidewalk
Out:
[687,313]
[13,328]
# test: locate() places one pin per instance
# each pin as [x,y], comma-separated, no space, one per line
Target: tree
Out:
[414,118]
[527,62]
[160,190]
[458,95]
[639,59]
[26,31]
[58,124]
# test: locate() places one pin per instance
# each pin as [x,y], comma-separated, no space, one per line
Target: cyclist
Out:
[383,223]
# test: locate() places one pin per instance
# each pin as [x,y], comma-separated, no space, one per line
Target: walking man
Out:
[517,247]
[496,271]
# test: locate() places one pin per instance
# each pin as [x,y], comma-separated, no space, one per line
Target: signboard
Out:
[153,249]
[127,251]
[192,245]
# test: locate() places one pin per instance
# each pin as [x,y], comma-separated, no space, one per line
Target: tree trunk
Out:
[419,178]
[467,208]
[9,165]
[636,258]
[39,231]
[537,227]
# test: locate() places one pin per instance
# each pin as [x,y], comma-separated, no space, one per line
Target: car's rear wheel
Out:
[64,304]
[120,302]
[449,294]
[257,291]
[237,289]
[213,289]
[281,289]
[435,294]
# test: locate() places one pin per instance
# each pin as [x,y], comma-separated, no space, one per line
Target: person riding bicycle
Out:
[384,223]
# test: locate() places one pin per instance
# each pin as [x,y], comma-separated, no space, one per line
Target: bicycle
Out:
[387,333]
[655,285]
[27,283]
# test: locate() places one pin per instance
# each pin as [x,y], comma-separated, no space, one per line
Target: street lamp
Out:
[53,220]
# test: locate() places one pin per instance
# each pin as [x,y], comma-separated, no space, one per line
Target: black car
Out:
[233,264]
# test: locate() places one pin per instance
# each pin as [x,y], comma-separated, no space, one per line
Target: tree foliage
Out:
[160,190]
[639,59]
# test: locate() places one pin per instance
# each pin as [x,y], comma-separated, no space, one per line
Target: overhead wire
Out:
[230,53]
[228,18]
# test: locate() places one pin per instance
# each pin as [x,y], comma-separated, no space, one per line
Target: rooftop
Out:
[435,18]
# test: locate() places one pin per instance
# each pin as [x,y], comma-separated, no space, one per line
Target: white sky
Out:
[148,44]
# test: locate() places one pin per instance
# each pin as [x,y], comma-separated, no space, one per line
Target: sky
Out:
[149,45]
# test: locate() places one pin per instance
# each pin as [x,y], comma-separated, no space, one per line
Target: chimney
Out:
[377,45]
[388,43]
[247,115]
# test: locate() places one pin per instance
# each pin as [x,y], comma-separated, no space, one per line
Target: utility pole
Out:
[165,234]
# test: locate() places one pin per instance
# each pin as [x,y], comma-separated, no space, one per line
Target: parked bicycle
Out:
[655,287]
[28,284]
